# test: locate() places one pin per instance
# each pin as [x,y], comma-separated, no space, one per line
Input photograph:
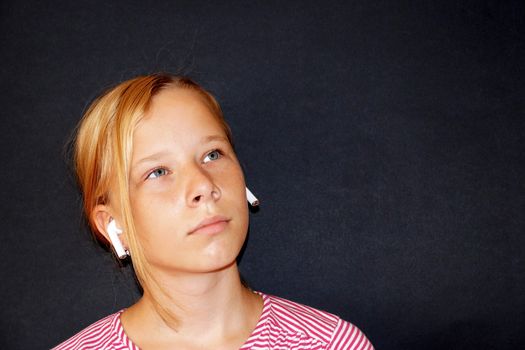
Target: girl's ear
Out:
[101,216]
[108,227]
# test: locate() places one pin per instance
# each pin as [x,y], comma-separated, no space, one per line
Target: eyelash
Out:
[149,176]
[219,154]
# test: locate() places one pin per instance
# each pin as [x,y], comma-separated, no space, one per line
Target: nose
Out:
[201,188]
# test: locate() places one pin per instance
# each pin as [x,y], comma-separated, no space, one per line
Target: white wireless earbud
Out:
[113,233]
[251,198]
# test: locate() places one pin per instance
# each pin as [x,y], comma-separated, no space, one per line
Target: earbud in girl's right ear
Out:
[251,198]
[113,232]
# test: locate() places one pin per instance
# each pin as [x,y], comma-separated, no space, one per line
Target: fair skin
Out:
[188,201]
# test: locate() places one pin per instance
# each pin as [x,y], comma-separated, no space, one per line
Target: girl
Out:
[161,184]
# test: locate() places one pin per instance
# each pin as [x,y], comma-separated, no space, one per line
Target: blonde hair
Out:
[103,147]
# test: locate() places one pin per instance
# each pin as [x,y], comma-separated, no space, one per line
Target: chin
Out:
[218,260]
[220,267]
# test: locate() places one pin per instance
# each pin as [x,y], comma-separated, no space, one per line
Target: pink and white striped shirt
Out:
[283,325]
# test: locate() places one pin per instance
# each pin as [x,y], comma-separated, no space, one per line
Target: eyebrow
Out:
[151,158]
[214,138]
[158,155]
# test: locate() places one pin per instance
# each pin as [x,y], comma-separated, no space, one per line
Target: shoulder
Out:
[103,334]
[321,329]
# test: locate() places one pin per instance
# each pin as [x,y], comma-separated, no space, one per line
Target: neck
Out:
[187,304]
[195,298]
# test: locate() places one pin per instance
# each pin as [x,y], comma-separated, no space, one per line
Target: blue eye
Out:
[157,173]
[213,155]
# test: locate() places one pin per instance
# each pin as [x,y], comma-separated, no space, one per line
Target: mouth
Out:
[210,226]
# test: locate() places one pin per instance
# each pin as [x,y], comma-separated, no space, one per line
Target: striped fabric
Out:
[283,325]
[287,325]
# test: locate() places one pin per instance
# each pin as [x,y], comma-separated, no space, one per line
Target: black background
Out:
[383,138]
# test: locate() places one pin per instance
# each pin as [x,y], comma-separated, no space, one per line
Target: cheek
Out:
[241,209]
[152,215]
[238,202]
[236,181]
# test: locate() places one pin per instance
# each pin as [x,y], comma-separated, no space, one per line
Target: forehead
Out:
[177,100]
[176,115]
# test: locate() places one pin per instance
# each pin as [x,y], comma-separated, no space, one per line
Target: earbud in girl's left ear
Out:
[113,232]
[251,198]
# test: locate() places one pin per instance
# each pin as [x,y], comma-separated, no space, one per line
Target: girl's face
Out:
[187,189]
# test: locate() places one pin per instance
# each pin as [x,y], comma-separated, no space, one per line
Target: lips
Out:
[210,226]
